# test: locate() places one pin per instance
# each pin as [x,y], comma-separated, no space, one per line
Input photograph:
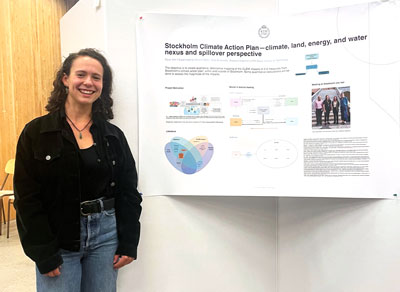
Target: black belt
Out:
[96,206]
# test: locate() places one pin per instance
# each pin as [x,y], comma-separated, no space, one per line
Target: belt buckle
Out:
[82,213]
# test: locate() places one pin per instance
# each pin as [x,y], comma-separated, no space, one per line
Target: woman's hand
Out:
[54,273]
[121,260]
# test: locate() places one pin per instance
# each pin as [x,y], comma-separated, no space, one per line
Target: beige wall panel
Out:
[29,57]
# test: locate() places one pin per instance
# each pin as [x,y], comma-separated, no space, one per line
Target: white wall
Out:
[83,27]
[205,244]
[237,244]
[335,245]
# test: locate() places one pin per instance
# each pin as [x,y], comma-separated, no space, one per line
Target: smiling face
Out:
[84,82]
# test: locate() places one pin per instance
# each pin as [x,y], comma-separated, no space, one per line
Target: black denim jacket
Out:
[47,188]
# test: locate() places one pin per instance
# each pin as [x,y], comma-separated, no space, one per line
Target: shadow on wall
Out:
[242,212]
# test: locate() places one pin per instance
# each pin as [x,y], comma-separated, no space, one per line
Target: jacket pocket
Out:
[47,164]
[47,148]
[47,157]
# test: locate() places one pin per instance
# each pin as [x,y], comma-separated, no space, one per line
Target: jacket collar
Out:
[106,127]
[53,122]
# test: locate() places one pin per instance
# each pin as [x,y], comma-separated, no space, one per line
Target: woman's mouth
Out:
[87,92]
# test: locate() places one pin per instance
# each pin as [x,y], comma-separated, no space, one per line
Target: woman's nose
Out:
[88,80]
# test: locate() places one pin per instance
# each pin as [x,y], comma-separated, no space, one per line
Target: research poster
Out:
[304,105]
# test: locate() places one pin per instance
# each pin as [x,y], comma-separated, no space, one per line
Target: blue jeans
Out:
[91,268]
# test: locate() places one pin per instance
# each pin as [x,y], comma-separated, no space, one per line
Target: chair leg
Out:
[8,217]
[1,210]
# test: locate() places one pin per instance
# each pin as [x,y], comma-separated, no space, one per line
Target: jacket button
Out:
[108,144]
[94,144]
[48,157]
[98,160]
[112,184]
[113,162]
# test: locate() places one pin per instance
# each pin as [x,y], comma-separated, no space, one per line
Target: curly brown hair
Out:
[102,105]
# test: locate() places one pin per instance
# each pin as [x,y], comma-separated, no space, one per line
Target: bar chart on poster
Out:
[301,105]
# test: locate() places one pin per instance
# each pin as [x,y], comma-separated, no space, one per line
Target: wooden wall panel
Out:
[7,118]
[29,57]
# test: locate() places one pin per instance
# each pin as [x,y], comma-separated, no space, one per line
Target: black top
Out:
[94,174]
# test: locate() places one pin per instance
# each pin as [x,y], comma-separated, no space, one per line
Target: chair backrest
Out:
[10,165]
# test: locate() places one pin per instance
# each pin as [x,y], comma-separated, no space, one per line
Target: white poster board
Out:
[228,105]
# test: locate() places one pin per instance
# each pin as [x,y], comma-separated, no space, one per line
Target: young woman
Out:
[327,106]
[335,108]
[75,182]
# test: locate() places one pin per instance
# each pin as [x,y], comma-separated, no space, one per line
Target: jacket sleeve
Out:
[128,208]
[38,241]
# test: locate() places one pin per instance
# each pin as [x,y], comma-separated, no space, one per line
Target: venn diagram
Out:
[189,156]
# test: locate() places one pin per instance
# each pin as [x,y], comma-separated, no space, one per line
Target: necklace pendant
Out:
[80,135]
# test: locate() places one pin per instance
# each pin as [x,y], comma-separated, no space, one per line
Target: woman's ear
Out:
[65,80]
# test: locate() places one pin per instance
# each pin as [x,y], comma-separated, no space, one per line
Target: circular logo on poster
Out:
[263,32]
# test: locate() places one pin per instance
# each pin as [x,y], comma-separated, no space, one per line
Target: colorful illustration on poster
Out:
[191,156]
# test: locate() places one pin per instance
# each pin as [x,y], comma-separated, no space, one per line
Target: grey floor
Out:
[17,272]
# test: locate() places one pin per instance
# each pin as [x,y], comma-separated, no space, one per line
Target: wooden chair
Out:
[9,169]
